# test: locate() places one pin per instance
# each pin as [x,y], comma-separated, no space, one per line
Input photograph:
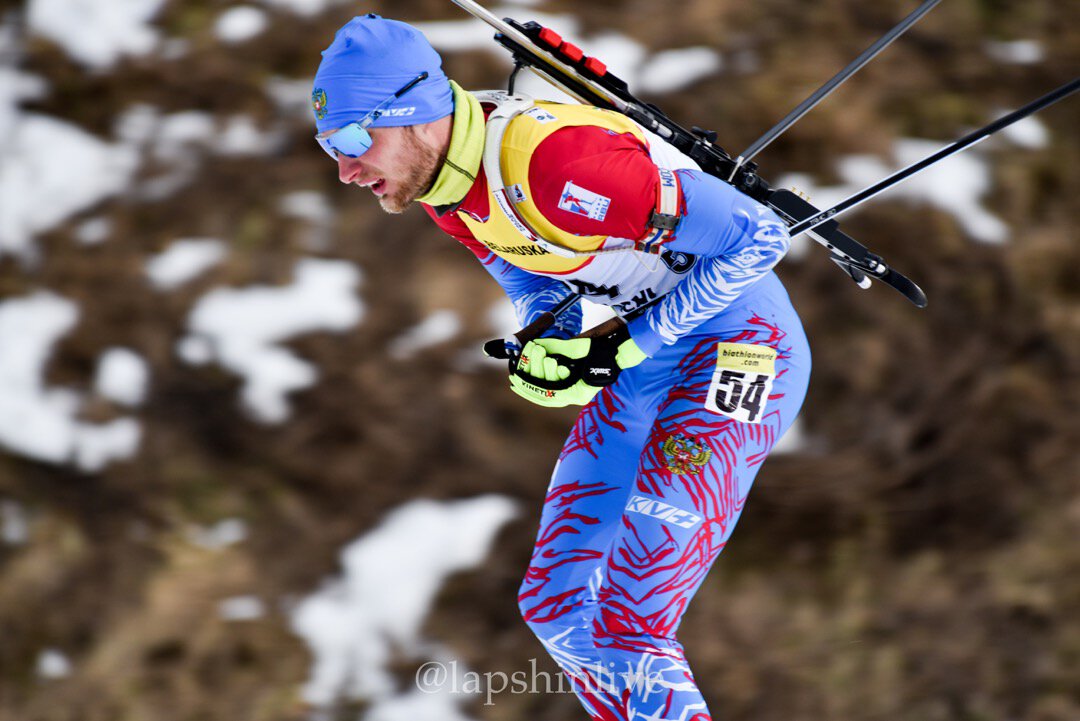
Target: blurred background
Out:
[254,466]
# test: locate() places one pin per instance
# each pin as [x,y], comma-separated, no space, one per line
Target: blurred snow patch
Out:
[224,533]
[621,54]
[391,576]
[474,34]
[239,24]
[292,96]
[96,445]
[241,136]
[122,376]
[502,318]
[1028,133]
[195,350]
[174,135]
[672,70]
[313,208]
[173,141]
[244,327]
[662,72]
[449,36]
[308,8]
[424,705]
[308,205]
[137,124]
[15,87]
[51,171]
[177,142]
[953,185]
[39,422]
[794,441]
[52,664]
[439,327]
[1015,52]
[94,231]
[184,260]
[14,525]
[242,608]
[96,32]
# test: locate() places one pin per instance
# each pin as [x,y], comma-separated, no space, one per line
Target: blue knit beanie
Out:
[370,59]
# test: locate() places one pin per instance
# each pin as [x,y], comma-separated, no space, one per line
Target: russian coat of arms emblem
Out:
[318,101]
[685,455]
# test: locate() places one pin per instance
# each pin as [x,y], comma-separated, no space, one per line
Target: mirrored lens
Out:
[351,141]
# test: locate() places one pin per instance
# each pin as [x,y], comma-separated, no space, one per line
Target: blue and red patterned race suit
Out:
[658,466]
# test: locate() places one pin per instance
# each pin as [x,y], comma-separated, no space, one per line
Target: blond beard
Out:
[424,165]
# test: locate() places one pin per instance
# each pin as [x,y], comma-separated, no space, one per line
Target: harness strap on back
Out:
[665,217]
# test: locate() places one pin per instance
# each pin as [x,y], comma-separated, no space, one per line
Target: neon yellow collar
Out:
[462,164]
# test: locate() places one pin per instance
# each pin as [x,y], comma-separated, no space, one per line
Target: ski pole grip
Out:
[498,347]
[536,329]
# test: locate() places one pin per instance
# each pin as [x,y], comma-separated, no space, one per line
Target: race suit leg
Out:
[588,490]
[646,494]
[692,481]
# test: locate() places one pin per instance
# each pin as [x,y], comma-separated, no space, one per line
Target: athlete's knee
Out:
[539,610]
[616,638]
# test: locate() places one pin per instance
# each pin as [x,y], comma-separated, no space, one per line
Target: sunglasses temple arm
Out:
[419,78]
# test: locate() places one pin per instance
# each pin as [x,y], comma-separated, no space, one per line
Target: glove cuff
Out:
[629,354]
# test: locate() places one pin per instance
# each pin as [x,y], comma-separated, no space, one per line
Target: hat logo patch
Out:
[318,102]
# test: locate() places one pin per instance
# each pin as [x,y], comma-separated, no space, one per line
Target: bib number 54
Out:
[739,395]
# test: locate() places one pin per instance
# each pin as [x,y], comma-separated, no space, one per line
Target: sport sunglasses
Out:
[353,140]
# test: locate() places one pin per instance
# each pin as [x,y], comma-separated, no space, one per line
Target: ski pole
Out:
[968,140]
[837,80]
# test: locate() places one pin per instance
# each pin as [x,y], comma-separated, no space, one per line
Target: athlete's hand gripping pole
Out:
[558,372]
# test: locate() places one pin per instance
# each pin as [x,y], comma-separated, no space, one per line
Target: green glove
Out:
[555,373]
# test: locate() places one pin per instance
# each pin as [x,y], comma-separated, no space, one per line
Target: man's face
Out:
[399,167]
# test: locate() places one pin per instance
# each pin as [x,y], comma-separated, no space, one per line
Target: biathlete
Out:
[684,394]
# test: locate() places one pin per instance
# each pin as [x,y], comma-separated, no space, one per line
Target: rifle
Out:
[588,80]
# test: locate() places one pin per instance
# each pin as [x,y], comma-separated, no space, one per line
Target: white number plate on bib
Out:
[743,380]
